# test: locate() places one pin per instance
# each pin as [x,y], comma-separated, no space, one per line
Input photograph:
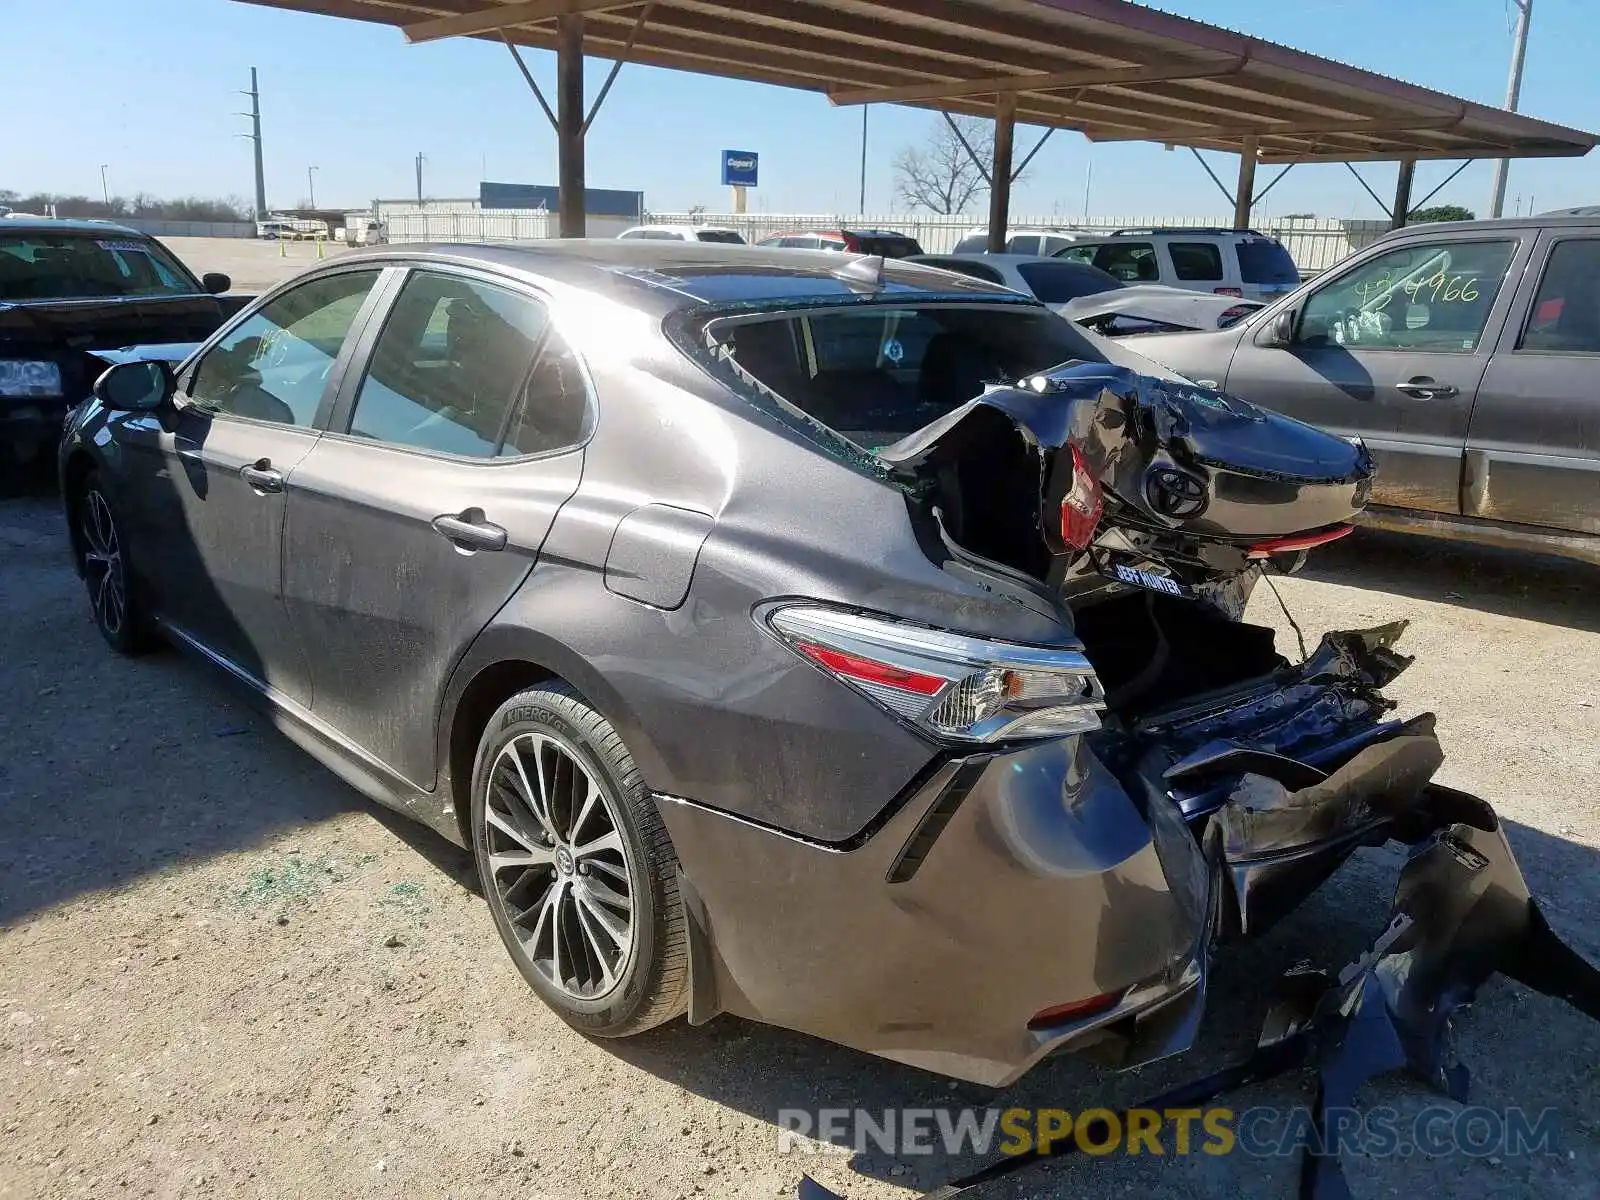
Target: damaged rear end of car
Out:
[1094,817]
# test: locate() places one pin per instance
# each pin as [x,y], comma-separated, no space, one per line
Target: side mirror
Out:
[135,386]
[215,282]
[1279,332]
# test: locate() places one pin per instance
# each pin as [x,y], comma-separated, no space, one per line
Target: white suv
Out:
[1229,262]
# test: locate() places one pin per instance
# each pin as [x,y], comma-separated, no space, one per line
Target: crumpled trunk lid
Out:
[1193,479]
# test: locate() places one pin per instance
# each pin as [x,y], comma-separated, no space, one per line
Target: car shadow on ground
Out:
[119,767]
[762,1071]
[1534,587]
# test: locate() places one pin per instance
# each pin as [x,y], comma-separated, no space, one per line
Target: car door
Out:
[1128,260]
[210,477]
[423,508]
[1392,349]
[1533,446]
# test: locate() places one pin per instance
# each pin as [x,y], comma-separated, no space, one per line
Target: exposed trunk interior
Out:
[1151,651]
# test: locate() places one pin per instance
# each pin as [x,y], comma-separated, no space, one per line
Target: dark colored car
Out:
[68,288]
[1466,354]
[838,643]
[856,241]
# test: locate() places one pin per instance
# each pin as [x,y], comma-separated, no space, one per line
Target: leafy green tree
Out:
[1441,212]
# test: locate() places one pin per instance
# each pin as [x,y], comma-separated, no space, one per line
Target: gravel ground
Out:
[223,973]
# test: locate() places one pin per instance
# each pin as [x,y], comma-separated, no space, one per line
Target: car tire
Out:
[102,546]
[556,872]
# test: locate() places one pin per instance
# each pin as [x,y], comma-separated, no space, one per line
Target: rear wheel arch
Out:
[503,663]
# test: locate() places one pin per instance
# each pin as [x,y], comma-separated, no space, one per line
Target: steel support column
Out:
[570,123]
[1402,194]
[1244,192]
[1005,123]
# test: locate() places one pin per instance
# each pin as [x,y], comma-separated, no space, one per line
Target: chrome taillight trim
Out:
[948,655]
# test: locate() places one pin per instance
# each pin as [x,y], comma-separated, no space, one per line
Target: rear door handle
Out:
[261,476]
[470,530]
[1424,387]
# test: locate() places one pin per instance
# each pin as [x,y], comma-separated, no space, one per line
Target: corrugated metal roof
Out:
[1110,69]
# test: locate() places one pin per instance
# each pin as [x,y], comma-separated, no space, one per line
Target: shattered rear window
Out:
[873,373]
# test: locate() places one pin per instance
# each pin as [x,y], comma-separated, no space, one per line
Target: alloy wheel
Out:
[559,867]
[103,564]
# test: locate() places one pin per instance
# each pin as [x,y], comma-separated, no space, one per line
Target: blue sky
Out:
[151,88]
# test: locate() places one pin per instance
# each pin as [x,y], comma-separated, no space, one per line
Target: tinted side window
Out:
[1430,296]
[274,366]
[1058,282]
[962,267]
[1131,262]
[889,247]
[555,412]
[1023,243]
[1264,260]
[1566,311]
[1196,260]
[451,361]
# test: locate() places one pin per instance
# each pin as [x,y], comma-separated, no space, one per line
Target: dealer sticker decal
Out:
[1145,579]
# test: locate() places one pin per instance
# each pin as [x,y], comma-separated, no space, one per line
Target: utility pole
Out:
[311,185]
[105,188]
[419,180]
[863,205]
[255,136]
[1519,49]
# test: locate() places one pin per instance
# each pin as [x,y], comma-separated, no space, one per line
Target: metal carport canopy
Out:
[1109,69]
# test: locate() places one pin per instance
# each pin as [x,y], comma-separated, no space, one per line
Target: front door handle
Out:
[261,476]
[470,530]
[1425,387]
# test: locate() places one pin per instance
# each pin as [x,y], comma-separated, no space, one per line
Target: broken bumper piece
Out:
[1462,912]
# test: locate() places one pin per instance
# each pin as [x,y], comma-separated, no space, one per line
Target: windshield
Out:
[721,235]
[1262,260]
[54,266]
[875,373]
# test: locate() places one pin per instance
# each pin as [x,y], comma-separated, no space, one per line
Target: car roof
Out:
[672,275]
[683,228]
[1496,224]
[57,225]
[1013,259]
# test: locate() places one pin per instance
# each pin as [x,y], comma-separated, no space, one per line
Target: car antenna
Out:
[867,269]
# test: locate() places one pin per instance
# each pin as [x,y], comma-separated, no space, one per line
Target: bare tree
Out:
[940,175]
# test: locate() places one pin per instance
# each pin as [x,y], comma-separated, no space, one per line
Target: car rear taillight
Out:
[1082,506]
[949,685]
[1228,291]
